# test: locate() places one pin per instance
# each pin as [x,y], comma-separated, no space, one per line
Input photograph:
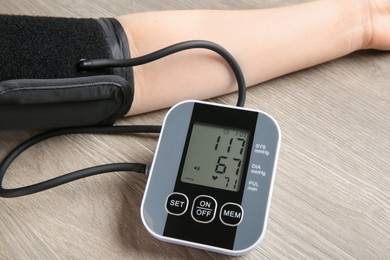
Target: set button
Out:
[176,204]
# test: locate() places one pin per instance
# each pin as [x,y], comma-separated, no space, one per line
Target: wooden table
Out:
[331,197]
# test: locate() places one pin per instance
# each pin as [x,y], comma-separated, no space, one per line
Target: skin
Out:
[267,43]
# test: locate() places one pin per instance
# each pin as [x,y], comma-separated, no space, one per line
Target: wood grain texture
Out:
[331,197]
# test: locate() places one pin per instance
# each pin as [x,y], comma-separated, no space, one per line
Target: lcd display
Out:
[215,156]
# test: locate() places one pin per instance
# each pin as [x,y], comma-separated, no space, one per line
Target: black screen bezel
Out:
[214,233]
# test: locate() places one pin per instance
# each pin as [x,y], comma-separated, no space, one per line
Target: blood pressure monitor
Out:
[211,178]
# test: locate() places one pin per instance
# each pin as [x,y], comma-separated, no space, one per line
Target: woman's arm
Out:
[267,43]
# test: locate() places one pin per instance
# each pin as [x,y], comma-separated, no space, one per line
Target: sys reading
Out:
[215,156]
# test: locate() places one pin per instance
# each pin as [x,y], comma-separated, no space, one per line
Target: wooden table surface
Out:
[331,197]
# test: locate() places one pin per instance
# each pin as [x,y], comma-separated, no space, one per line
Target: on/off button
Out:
[204,209]
[176,204]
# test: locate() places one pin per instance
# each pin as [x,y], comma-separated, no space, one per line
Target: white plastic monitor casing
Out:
[255,193]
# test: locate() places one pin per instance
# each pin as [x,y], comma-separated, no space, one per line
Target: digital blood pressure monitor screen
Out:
[211,178]
[215,156]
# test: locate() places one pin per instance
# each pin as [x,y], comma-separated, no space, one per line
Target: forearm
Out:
[296,37]
[267,43]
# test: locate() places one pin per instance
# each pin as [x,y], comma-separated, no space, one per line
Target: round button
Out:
[204,209]
[176,204]
[231,214]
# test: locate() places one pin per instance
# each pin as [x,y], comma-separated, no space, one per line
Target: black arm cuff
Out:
[40,83]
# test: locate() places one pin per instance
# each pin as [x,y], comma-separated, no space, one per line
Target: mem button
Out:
[204,209]
[231,214]
[176,204]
